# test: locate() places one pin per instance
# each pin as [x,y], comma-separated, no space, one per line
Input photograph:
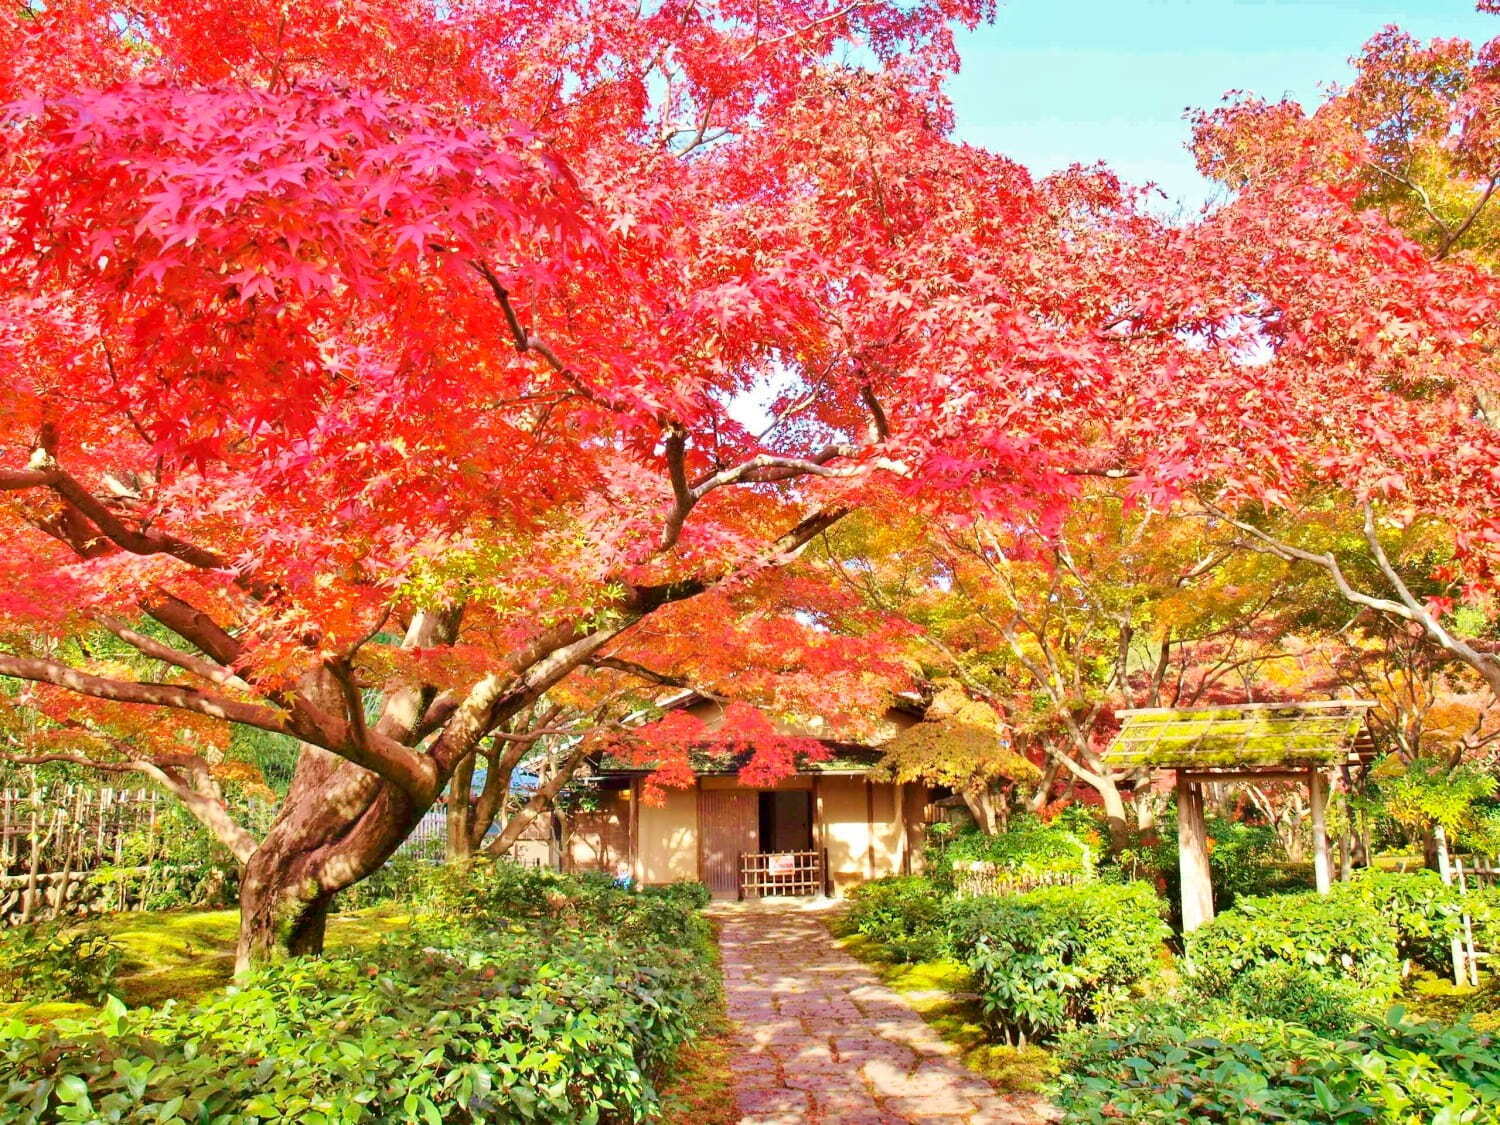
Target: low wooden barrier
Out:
[978,878]
[782,873]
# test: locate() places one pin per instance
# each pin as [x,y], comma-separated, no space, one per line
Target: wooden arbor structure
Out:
[1249,742]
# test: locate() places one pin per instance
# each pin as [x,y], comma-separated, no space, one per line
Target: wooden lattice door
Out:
[728,824]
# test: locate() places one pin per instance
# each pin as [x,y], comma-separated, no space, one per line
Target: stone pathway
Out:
[818,1037]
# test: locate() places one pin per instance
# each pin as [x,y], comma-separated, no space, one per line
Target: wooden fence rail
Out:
[781,873]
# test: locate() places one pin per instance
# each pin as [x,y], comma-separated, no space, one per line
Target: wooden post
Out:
[1470,960]
[1192,856]
[1445,870]
[1317,787]
[820,836]
[633,833]
[869,827]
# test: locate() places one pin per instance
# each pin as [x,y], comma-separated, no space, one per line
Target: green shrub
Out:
[1028,847]
[466,1018]
[1425,912]
[1296,994]
[904,913]
[688,892]
[1051,959]
[1337,936]
[1175,1064]
[57,961]
[1245,860]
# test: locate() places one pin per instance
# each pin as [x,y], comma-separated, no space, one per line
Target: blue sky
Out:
[1055,82]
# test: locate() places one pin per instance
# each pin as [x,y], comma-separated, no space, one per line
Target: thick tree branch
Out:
[176,696]
[1408,607]
[203,669]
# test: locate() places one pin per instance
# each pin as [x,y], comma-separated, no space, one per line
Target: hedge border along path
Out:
[819,1039]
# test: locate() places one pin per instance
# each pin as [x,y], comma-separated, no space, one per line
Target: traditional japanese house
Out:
[830,826]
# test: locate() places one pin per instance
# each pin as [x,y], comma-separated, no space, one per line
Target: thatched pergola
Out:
[1248,742]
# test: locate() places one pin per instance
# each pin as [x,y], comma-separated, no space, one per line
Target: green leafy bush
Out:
[688,892]
[1425,912]
[57,961]
[1337,936]
[1298,995]
[1051,959]
[1244,860]
[466,1018]
[1177,1063]
[904,913]
[1028,847]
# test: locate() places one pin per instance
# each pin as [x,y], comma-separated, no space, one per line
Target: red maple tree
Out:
[372,371]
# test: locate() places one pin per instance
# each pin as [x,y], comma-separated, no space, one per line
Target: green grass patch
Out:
[184,954]
[942,993]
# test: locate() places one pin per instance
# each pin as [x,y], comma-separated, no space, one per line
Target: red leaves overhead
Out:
[561,311]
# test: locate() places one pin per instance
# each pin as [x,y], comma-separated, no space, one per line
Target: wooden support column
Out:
[633,836]
[820,835]
[1192,855]
[869,828]
[1317,788]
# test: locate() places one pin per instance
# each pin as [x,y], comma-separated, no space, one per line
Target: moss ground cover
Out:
[941,991]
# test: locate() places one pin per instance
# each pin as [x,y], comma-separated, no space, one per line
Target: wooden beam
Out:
[820,835]
[1274,774]
[903,842]
[698,812]
[1305,705]
[870,828]
[1192,856]
[1317,788]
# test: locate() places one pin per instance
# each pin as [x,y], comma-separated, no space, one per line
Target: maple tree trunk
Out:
[461,813]
[1114,814]
[338,824]
[981,807]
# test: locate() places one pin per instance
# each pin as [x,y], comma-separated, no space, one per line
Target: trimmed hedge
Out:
[906,914]
[1054,958]
[558,1010]
[1336,936]
[1028,847]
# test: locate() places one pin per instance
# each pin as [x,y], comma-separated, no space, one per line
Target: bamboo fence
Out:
[978,878]
[53,840]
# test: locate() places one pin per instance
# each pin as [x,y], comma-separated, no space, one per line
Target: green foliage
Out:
[51,961]
[1027,847]
[1299,995]
[559,1008]
[685,892]
[1176,1063]
[906,914]
[1428,792]
[398,879]
[1244,859]
[1054,958]
[1425,912]
[1337,936]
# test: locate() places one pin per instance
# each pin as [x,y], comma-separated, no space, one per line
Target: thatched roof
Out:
[1249,736]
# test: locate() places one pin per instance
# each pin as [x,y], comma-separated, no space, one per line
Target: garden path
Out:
[819,1039]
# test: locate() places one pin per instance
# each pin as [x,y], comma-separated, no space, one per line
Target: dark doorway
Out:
[786,821]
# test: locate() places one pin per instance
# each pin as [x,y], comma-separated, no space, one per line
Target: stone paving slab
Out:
[819,1040]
